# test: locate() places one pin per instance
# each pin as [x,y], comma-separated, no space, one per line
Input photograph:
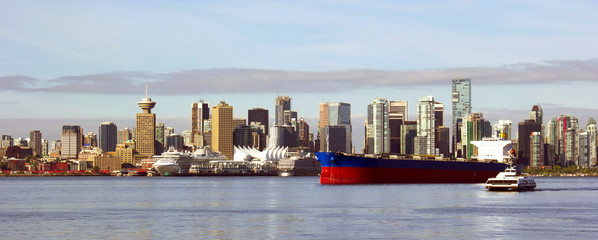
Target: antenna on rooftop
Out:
[146,90]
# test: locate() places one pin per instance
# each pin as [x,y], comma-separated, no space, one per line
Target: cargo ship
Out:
[338,168]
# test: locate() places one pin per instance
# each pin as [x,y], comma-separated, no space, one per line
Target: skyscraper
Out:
[283,103]
[258,115]
[160,138]
[526,129]
[592,130]
[35,138]
[502,130]
[124,135]
[222,129]
[536,114]
[145,131]
[461,98]
[397,115]
[108,136]
[71,141]
[337,114]
[200,111]
[425,143]
[474,128]
[377,131]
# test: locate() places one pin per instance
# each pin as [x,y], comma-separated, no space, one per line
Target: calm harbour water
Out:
[290,208]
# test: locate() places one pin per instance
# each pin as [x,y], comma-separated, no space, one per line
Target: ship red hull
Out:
[348,169]
[365,175]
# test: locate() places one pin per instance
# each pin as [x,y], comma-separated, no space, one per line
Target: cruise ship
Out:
[173,162]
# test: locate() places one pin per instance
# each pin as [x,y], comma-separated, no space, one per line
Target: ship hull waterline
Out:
[341,169]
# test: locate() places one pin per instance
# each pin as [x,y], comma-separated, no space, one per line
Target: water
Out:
[290,208]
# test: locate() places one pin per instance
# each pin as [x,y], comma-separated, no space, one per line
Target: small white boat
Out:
[509,181]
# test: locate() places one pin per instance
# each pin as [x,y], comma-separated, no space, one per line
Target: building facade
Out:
[461,100]
[222,129]
[108,136]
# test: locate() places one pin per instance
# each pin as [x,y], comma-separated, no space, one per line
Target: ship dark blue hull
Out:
[345,169]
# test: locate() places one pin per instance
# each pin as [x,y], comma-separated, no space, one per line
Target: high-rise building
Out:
[592,130]
[408,136]
[475,128]
[425,126]
[90,139]
[461,99]
[283,103]
[200,111]
[333,139]
[303,133]
[108,136]
[45,150]
[536,151]
[502,130]
[526,128]
[536,114]
[124,135]
[35,138]
[377,130]
[71,141]
[175,141]
[160,139]
[145,131]
[397,115]
[324,115]
[187,137]
[289,115]
[258,115]
[568,149]
[552,142]
[583,150]
[222,129]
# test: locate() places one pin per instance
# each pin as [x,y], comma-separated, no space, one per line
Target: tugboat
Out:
[509,181]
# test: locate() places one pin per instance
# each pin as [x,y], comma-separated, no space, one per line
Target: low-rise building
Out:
[106,162]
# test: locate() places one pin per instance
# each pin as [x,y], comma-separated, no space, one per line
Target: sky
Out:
[86,62]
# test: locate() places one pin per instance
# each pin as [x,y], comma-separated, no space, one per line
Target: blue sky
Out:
[85,62]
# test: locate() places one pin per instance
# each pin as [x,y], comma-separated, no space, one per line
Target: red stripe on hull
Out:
[367,175]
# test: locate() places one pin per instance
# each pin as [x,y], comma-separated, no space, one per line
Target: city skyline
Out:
[517,55]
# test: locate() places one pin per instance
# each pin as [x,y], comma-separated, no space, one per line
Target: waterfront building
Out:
[71,141]
[35,139]
[526,128]
[397,114]
[106,162]
[474,128]
[377,130]
[258,115]
[424,144]
[283,103]
[145,131]
[568,130]
[90,139]
[591,129]
[502,130]
[461,99]
[584,150]
[124,135]
[536,151]
[125,153]
[222,129]
[108,136]
[552,142]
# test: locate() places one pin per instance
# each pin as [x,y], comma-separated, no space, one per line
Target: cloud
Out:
[196,81]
